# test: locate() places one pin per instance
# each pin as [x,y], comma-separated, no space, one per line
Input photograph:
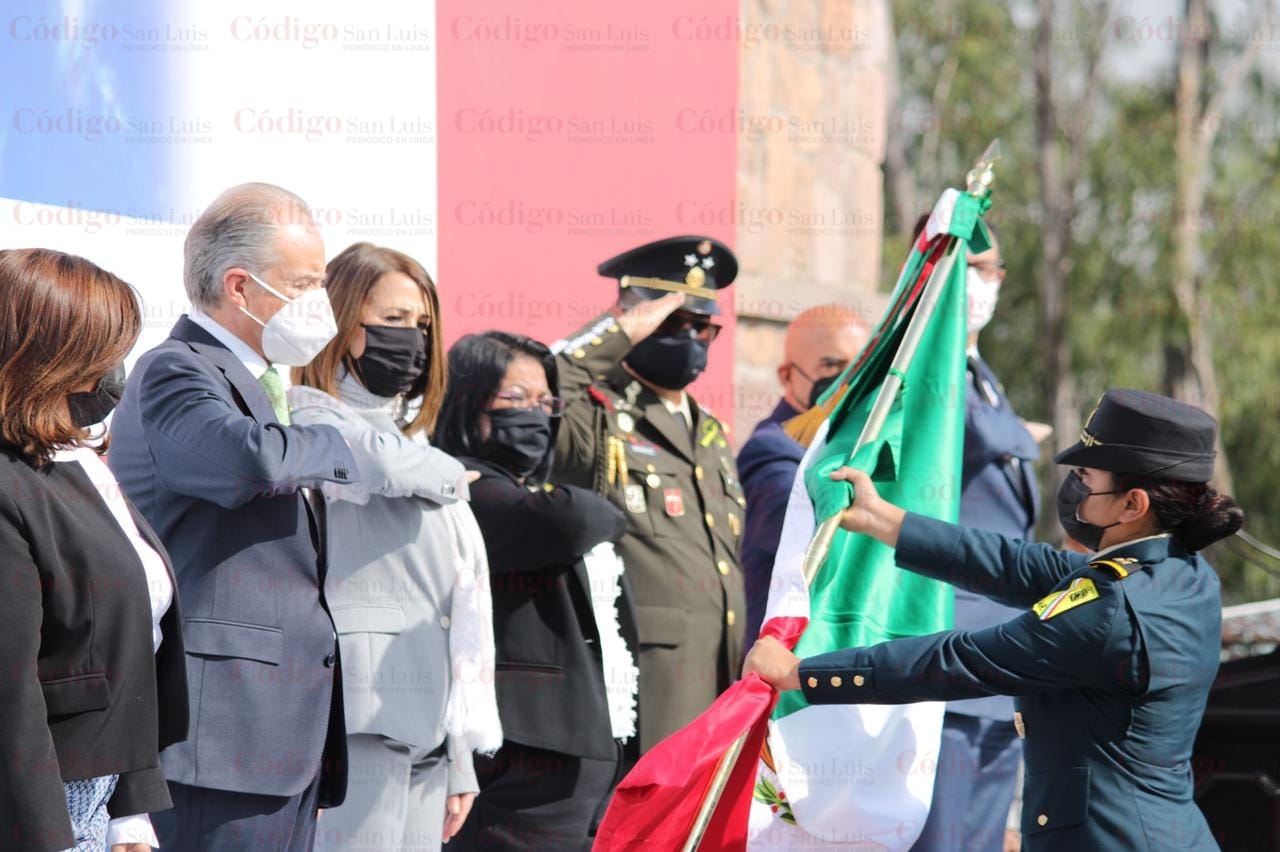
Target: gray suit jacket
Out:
[391,574]
[197,448]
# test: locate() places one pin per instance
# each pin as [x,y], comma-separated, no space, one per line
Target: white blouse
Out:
[136,828]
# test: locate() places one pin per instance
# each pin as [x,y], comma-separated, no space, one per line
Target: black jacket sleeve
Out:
[529,530]
[33,805]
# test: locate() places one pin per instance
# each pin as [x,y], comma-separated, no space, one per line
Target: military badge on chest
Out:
[673,502]
[633,498]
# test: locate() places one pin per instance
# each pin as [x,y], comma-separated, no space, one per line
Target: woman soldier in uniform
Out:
[1112,660]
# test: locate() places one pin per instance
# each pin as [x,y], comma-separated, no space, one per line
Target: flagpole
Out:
[816,553]
[978,182]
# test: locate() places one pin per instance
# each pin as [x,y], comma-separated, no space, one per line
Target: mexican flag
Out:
[861,776]
[836,777]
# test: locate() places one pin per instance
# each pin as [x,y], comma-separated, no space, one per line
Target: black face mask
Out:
[1071,496]
[91,407]
[669,362]
[519,439]
[819,388]
[394,359]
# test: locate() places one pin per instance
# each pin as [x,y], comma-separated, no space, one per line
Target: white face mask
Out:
[982,297]
[298,331]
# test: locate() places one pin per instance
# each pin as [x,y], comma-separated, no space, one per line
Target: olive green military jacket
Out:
[685,508]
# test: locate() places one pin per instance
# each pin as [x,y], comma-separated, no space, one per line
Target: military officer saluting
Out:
[1112,659]
[632,433]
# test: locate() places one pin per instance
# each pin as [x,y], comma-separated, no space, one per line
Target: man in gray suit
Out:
[201,443]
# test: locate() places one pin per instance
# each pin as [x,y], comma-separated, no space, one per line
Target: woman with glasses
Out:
[565,675]
[407,575]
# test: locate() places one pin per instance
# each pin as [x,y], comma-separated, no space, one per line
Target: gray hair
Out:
[238,229]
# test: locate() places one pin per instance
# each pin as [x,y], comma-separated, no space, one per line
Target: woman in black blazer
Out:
[546,787]
[94,681]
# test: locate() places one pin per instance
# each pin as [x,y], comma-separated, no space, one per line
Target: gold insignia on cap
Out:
[695,277]
[704,247]
[1086,437]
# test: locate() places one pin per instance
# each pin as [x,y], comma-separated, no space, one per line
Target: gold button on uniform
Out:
[859,680]
[837,681]
[813,682]
[723,568]
[711,521]
[650,468]
[1042,820]
[597,340]
[579,353]
[730,617]
[697,471]
[653,480]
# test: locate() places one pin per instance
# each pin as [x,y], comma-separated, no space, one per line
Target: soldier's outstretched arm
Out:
[1016,573]
[1080,636]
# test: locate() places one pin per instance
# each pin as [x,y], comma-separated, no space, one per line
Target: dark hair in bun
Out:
[1193,512]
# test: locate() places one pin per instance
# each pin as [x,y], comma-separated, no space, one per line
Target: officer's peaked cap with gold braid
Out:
[693,265]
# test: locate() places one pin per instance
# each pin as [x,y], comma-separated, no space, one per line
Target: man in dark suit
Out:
[981,749]
[820,343]
[200,443]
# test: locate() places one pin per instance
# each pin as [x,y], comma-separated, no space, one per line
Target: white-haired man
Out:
[201,442]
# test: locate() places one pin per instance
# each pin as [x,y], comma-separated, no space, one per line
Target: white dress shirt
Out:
[680,409]
[255,363]
[137,827]
[1104,551]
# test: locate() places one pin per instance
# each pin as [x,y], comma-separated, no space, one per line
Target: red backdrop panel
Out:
[570,131]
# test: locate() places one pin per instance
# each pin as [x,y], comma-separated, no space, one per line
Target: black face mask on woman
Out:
[670,362]
[394,358]
[519,439]
[92,407]
[1071,497]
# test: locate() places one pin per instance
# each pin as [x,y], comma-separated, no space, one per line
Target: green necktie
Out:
[274,386]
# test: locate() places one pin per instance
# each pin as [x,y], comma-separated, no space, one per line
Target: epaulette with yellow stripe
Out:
[1116,566]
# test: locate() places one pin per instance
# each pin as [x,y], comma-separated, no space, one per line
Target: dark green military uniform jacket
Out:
[1110,664]
[684,505]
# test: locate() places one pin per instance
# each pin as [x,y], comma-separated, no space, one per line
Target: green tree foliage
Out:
[965,75]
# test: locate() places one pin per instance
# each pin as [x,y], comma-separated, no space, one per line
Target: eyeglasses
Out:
[552,405]
[703,328]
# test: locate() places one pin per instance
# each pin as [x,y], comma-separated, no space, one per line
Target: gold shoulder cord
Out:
[616,453]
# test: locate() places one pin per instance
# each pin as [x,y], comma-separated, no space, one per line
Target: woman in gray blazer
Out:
[407,574]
